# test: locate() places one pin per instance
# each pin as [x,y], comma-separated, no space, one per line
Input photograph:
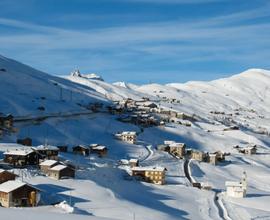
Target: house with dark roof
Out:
[6,176]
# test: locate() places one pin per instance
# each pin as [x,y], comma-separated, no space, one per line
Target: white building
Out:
[127,136]
[237,189]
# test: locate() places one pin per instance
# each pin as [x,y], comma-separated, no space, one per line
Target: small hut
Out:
[81,150]
[98,149]
[6,176]
[61,171]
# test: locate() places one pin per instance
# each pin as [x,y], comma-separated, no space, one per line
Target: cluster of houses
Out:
[15,193]
[140,112]
[31,155]
[34,155]
[57,170]
[147,113]
[86,150]
[212,158]
[249,149]
[131,162]
[179,150]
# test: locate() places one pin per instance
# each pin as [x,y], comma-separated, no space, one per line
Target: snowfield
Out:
[101,189]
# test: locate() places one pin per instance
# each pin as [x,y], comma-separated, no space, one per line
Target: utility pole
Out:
[61,94]
[71,95]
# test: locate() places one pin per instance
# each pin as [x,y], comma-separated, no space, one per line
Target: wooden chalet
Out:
[177,149]
[198,155]
[47,164]
[220,155]
[174,148]
[154,175]
[63,148]
[61,171]
[133,162]
[18,194]
[212,158]
[250,149]
[47,152]
[98,149]
[127,136]
[6,176]
[21,157]
[81,150]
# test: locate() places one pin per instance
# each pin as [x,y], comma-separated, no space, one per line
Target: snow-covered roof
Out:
[48,163]
[250,147]
[168,142]
[19,152]
[233,184]
[2,171]
[99,147]
[58,167]
[177,144]
[11,185]
[124,161]
[157,168]
[128,133]
[47,147]
[81,146]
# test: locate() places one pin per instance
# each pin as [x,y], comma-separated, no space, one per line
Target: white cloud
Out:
[225,38]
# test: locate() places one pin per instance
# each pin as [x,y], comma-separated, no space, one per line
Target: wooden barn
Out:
[21,157]
[177,149]
[250,149]
[154,175]
[47,164]
[18,194]
[127,136]
[133,162]
[6,176]
[81,150]
[98,149]
[47,152]
[198,155]
[61,171]
[63,148]
[212,159]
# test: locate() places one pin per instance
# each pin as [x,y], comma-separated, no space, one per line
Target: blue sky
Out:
[138,41]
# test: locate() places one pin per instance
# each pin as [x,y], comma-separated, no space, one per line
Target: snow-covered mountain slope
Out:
[245,92]
[23,90]
[111,91]
[101,188]
[249,89]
